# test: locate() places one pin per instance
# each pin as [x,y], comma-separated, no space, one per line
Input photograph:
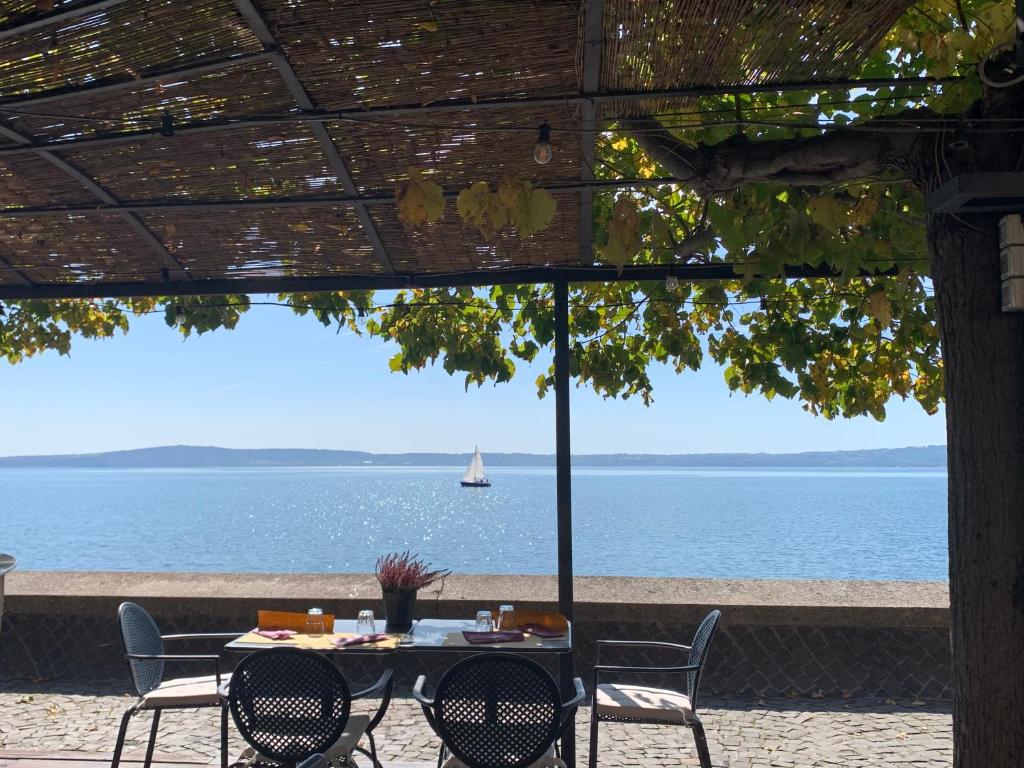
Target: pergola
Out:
[186,147]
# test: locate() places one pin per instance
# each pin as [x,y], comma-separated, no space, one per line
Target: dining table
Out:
[435,635]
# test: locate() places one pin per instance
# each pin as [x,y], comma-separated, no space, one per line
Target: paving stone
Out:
[764,733]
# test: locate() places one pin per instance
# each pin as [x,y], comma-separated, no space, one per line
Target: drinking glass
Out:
[365,624]
[315,622]
[506,618]
[484,621]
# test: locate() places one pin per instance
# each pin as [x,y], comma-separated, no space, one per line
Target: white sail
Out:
[475,472]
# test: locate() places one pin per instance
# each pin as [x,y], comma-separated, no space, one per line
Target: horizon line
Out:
[459,453]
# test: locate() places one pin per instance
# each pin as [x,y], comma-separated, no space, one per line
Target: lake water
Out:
[852,524]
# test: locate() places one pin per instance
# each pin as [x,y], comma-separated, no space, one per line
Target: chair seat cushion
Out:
[549,760]
[341,750]
[185,692]
[354,730]
[637,702]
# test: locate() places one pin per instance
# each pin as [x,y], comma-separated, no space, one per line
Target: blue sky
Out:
[283,381]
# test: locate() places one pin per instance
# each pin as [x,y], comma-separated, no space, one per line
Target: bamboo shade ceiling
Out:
[262,190]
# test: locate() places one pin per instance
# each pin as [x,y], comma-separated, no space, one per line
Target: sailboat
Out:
[474,477]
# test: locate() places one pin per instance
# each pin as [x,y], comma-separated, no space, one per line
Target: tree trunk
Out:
[983,352]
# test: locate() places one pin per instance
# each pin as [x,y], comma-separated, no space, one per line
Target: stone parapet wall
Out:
[796,638]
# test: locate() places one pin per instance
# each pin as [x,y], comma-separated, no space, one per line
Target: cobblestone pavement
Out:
[783,733]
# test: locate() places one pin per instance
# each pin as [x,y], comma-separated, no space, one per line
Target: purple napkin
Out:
[482,638]
[539,630]
[276,634]
[360,639]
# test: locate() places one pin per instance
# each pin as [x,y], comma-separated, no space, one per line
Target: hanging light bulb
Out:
[671,282]
[179,315]
[542,152]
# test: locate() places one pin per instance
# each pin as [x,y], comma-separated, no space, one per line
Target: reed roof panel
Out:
[28,180]
[451,246]
[250,163]
[121,43]
[76,249]
[266,242]
[658,45]
[371,54]
[240,89]
[109,70]
[458,148]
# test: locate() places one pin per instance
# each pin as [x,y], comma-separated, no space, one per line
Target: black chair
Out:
[623,703]
[290,704]
[144,649]
[496,710]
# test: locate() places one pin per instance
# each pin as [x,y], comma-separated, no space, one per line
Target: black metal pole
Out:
[563,471]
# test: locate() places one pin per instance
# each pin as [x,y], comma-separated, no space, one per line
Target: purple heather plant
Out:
[405,572]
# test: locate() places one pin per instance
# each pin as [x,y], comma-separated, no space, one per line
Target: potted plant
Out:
[401,575]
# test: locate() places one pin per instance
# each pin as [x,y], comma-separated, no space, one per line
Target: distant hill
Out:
[202,456]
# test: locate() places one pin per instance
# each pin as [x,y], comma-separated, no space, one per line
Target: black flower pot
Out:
[398,610]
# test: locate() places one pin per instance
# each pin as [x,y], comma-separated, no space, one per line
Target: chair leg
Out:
[702,745]
[593,737]
[152,738]
[121,734]
[224,735]
[373,750]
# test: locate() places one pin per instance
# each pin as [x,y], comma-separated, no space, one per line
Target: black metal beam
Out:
[66,14]
[200,286]
[294,202]
[214,126]
[563,494]
[593,39]
[102,88]
[167,260]
[259,27]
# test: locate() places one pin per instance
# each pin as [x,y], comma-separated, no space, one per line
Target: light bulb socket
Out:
[671,282]
[542,152]
[167,124]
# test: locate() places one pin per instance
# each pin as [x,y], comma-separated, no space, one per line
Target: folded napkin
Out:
[539,630]
[481,638]
[359,639]
[275,634]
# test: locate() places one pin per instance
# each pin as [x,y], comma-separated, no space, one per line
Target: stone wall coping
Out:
[617,598]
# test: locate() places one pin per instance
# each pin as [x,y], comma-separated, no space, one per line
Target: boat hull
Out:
[476,484]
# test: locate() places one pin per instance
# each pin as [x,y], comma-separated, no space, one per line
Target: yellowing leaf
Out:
[623,232]
[863,211]
[661,236]
[299,227]
[530,210]
[482,208]
[419,201]
[827,212]
[880,308]
[429,26]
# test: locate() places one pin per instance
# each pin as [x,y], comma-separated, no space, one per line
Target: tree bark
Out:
[983,352]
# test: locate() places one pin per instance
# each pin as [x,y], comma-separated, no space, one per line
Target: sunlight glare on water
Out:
[749,523]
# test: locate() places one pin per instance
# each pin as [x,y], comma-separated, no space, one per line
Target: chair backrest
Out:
[140,634]
[699,653]
[495,710]
[289,704]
